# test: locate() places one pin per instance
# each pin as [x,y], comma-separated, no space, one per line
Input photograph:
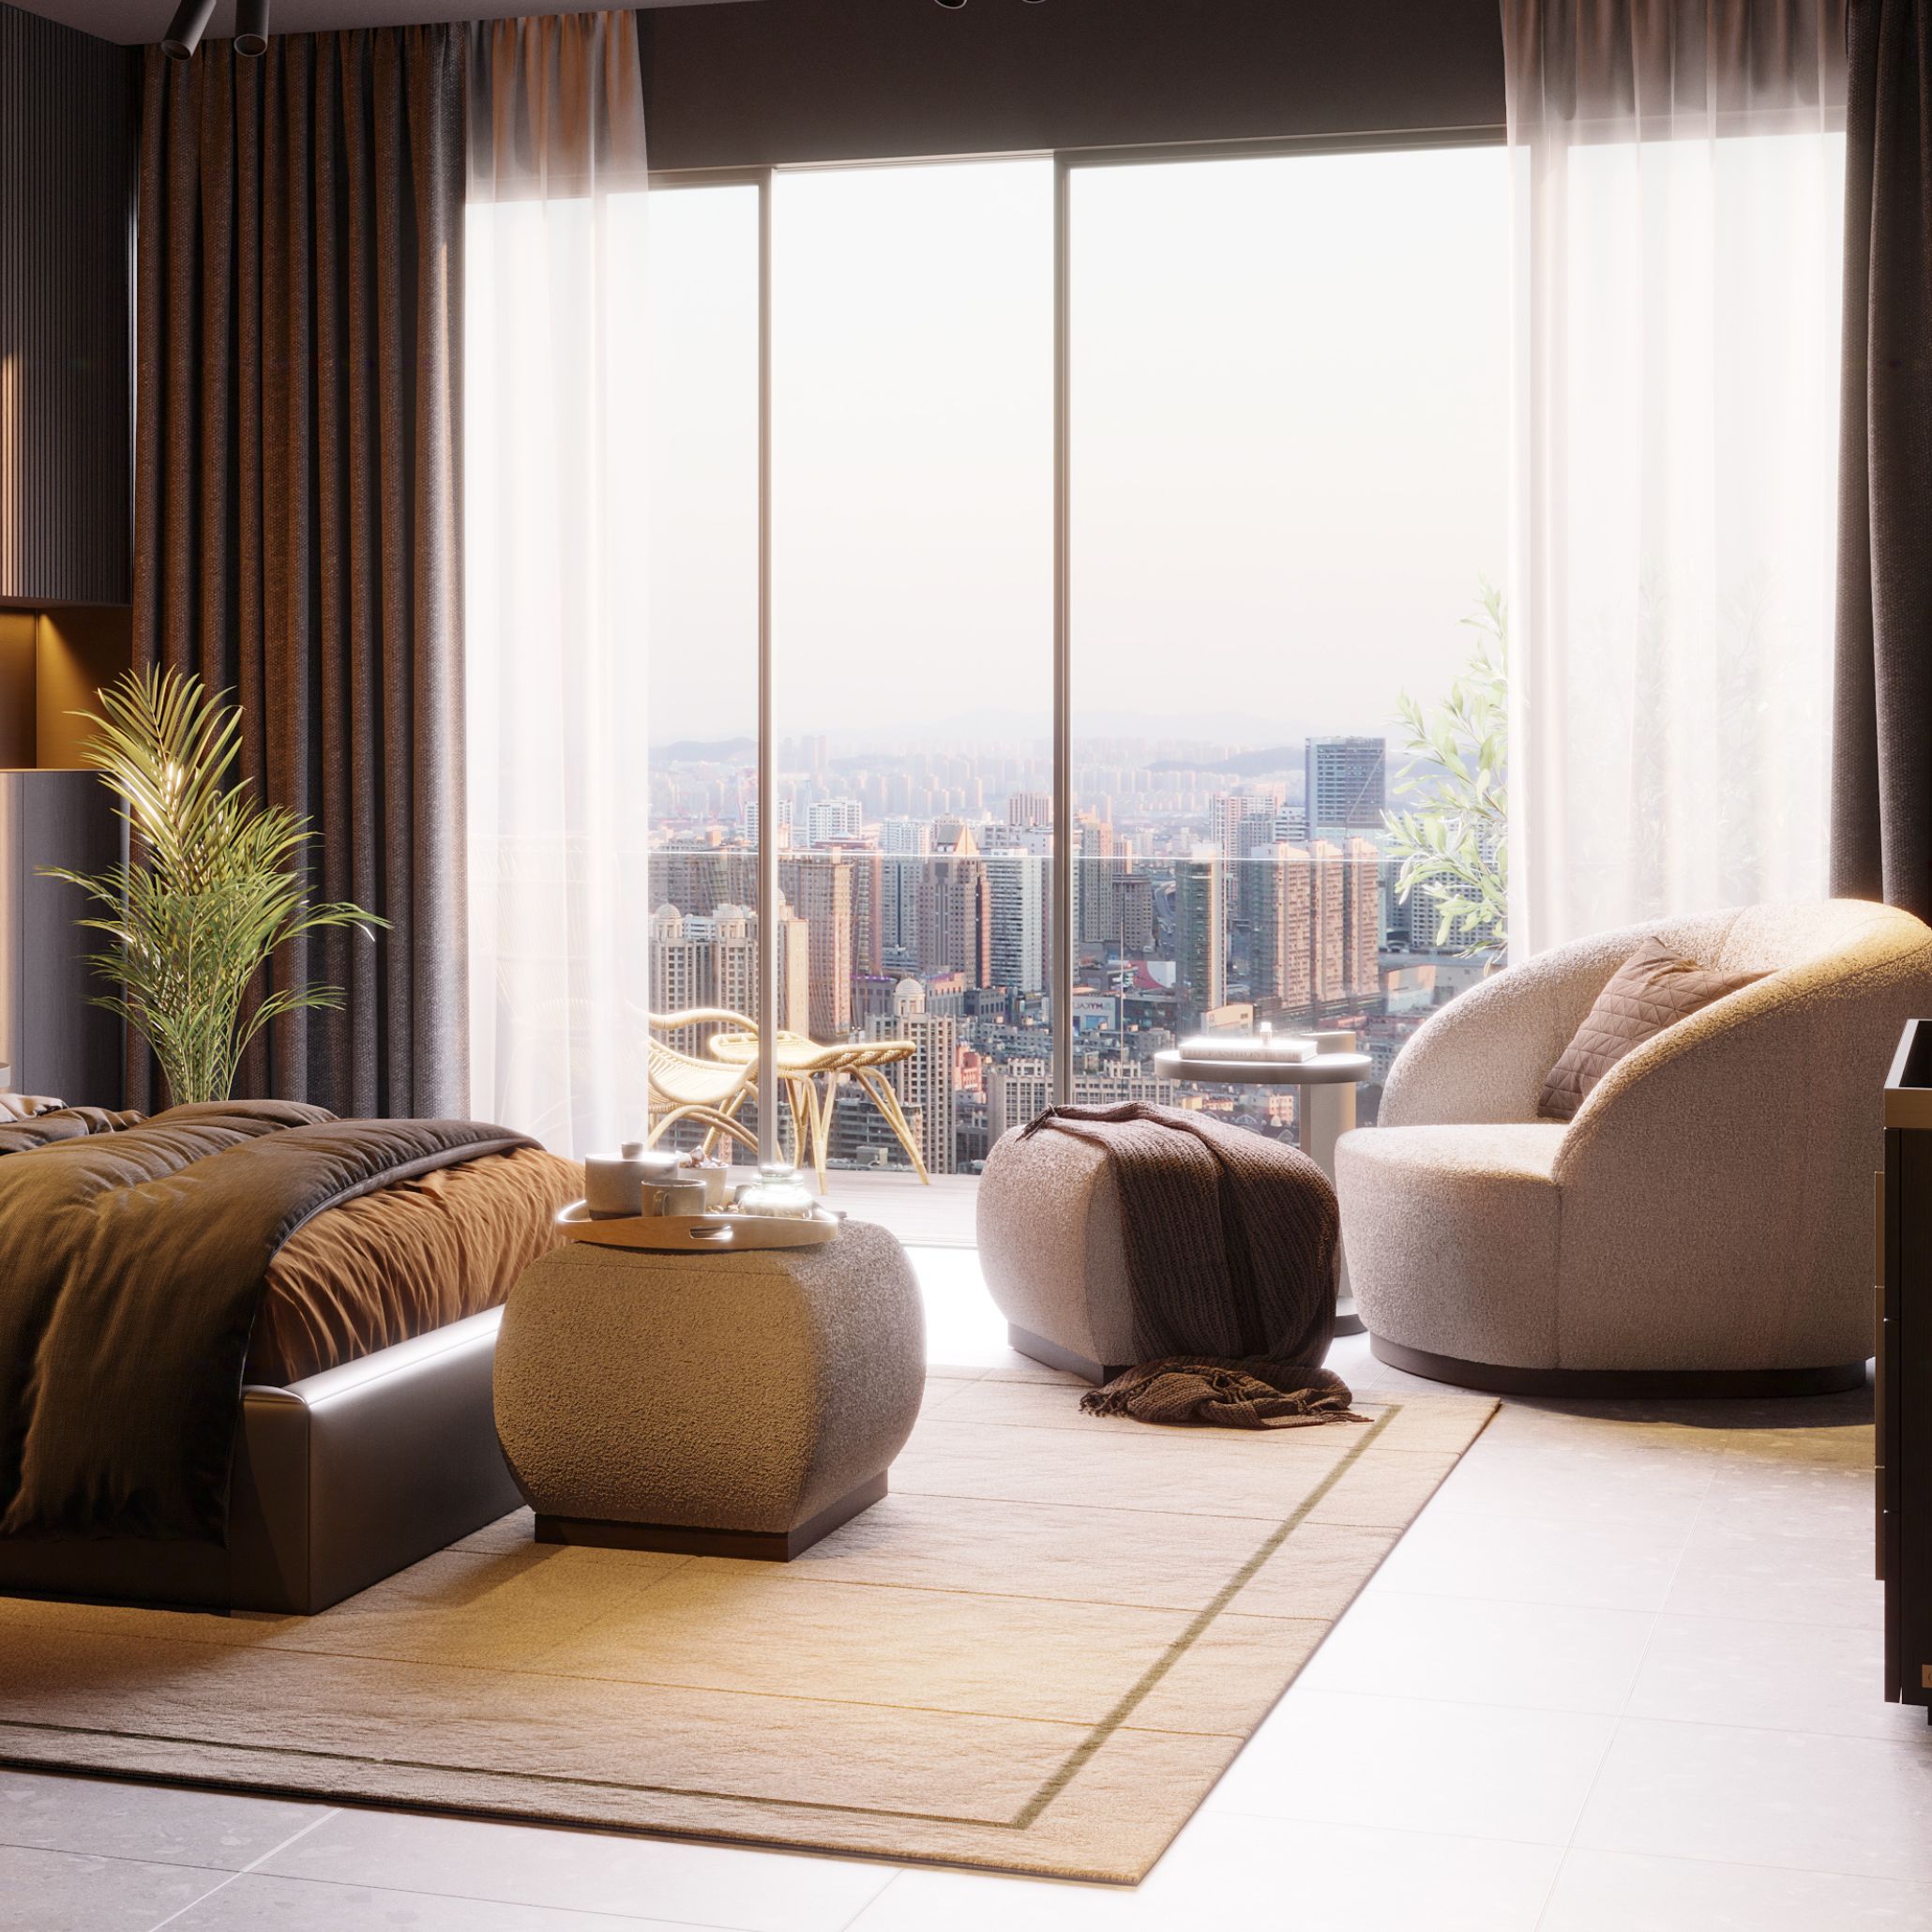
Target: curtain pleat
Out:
[297,506]
[560,108]
[1676,168]
[1882,761]
[554,458]
[1648,62]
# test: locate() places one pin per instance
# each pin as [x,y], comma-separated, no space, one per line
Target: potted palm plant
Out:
[212,886]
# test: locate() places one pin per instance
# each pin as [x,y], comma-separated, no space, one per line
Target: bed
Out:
[245,1350]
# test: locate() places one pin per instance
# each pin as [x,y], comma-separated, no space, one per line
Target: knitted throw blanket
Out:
[1231,1242]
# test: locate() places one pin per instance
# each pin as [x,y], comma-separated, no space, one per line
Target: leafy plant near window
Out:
[1453,839]
[213,883]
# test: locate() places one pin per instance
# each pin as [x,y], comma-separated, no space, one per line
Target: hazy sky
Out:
[1289,428]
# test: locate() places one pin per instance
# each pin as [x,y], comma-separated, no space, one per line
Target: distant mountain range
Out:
[994,724]
[1243,765]
[719,751]
[991,725]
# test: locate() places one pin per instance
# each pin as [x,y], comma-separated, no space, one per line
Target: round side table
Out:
[1327,1082]
[741,1404]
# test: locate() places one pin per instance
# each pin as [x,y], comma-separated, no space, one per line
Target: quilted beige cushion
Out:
[1652,988]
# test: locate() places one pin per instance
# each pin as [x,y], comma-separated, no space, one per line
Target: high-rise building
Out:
[1238,823]
[676,968]
[905,844]
[1025,808]
[1361,919]
[820,889]
[698,874]
[1280,960]
[1327,922]
[698,962]
[945,995]
[956,908]
[868,903]
[1021,1089]
[923,1084]
[1227,811]
[871,997]
[784,821]
[905,835]
[830,818]
[1200,935]
[731,975]
[1316,923]
[1347,784]
[731,979]
[1096,863]
[1018,952]
[1130,922]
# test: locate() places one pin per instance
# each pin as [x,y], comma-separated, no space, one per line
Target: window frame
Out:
[1067,164]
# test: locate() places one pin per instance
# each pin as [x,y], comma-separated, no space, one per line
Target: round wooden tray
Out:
[691,1234]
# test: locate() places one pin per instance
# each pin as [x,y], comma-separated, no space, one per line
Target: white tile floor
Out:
[1620,1678]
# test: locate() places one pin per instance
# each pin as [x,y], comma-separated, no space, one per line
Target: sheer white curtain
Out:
[554,497]
[1678,178]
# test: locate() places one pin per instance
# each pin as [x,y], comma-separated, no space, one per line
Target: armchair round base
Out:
[1612,1384]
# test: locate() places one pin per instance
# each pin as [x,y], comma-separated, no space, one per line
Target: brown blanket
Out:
[1232,1244]
[407,1260]
[134,1263]
[26,1124]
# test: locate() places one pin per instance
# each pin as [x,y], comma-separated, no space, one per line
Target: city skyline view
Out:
[1283,502]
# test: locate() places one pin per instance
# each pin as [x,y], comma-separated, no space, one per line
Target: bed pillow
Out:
[1654,988]
[27,1107]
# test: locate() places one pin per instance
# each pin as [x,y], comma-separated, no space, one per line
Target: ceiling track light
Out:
[251,28]
[185,29]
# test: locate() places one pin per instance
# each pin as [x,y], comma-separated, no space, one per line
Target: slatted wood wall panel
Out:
[67,106]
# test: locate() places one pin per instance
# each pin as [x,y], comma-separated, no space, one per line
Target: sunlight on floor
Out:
[962,1326]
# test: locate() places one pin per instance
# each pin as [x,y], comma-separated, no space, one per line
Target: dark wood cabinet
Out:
[66,194]
[1905,1370]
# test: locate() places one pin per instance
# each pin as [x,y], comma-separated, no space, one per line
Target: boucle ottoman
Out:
[1051,1251]
[737,1404]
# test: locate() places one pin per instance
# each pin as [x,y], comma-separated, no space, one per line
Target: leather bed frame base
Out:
[340,1480]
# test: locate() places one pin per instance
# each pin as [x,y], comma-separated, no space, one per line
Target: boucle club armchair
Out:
[1704,1225]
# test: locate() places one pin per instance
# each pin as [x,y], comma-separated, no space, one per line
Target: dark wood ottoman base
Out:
[686,1539]
[1051,1355]
[1630,1385]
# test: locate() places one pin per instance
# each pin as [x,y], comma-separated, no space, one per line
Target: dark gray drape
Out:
[1881,751]
[298,504]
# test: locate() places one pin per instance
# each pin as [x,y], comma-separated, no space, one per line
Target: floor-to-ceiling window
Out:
[1288,390]
[701,553]
[1144,508]
[1283,477]
[912,629]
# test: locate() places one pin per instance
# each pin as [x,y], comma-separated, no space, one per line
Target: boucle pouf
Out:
[733,1404]
[1053,1254]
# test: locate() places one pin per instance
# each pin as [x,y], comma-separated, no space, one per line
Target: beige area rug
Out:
[1037,1654]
